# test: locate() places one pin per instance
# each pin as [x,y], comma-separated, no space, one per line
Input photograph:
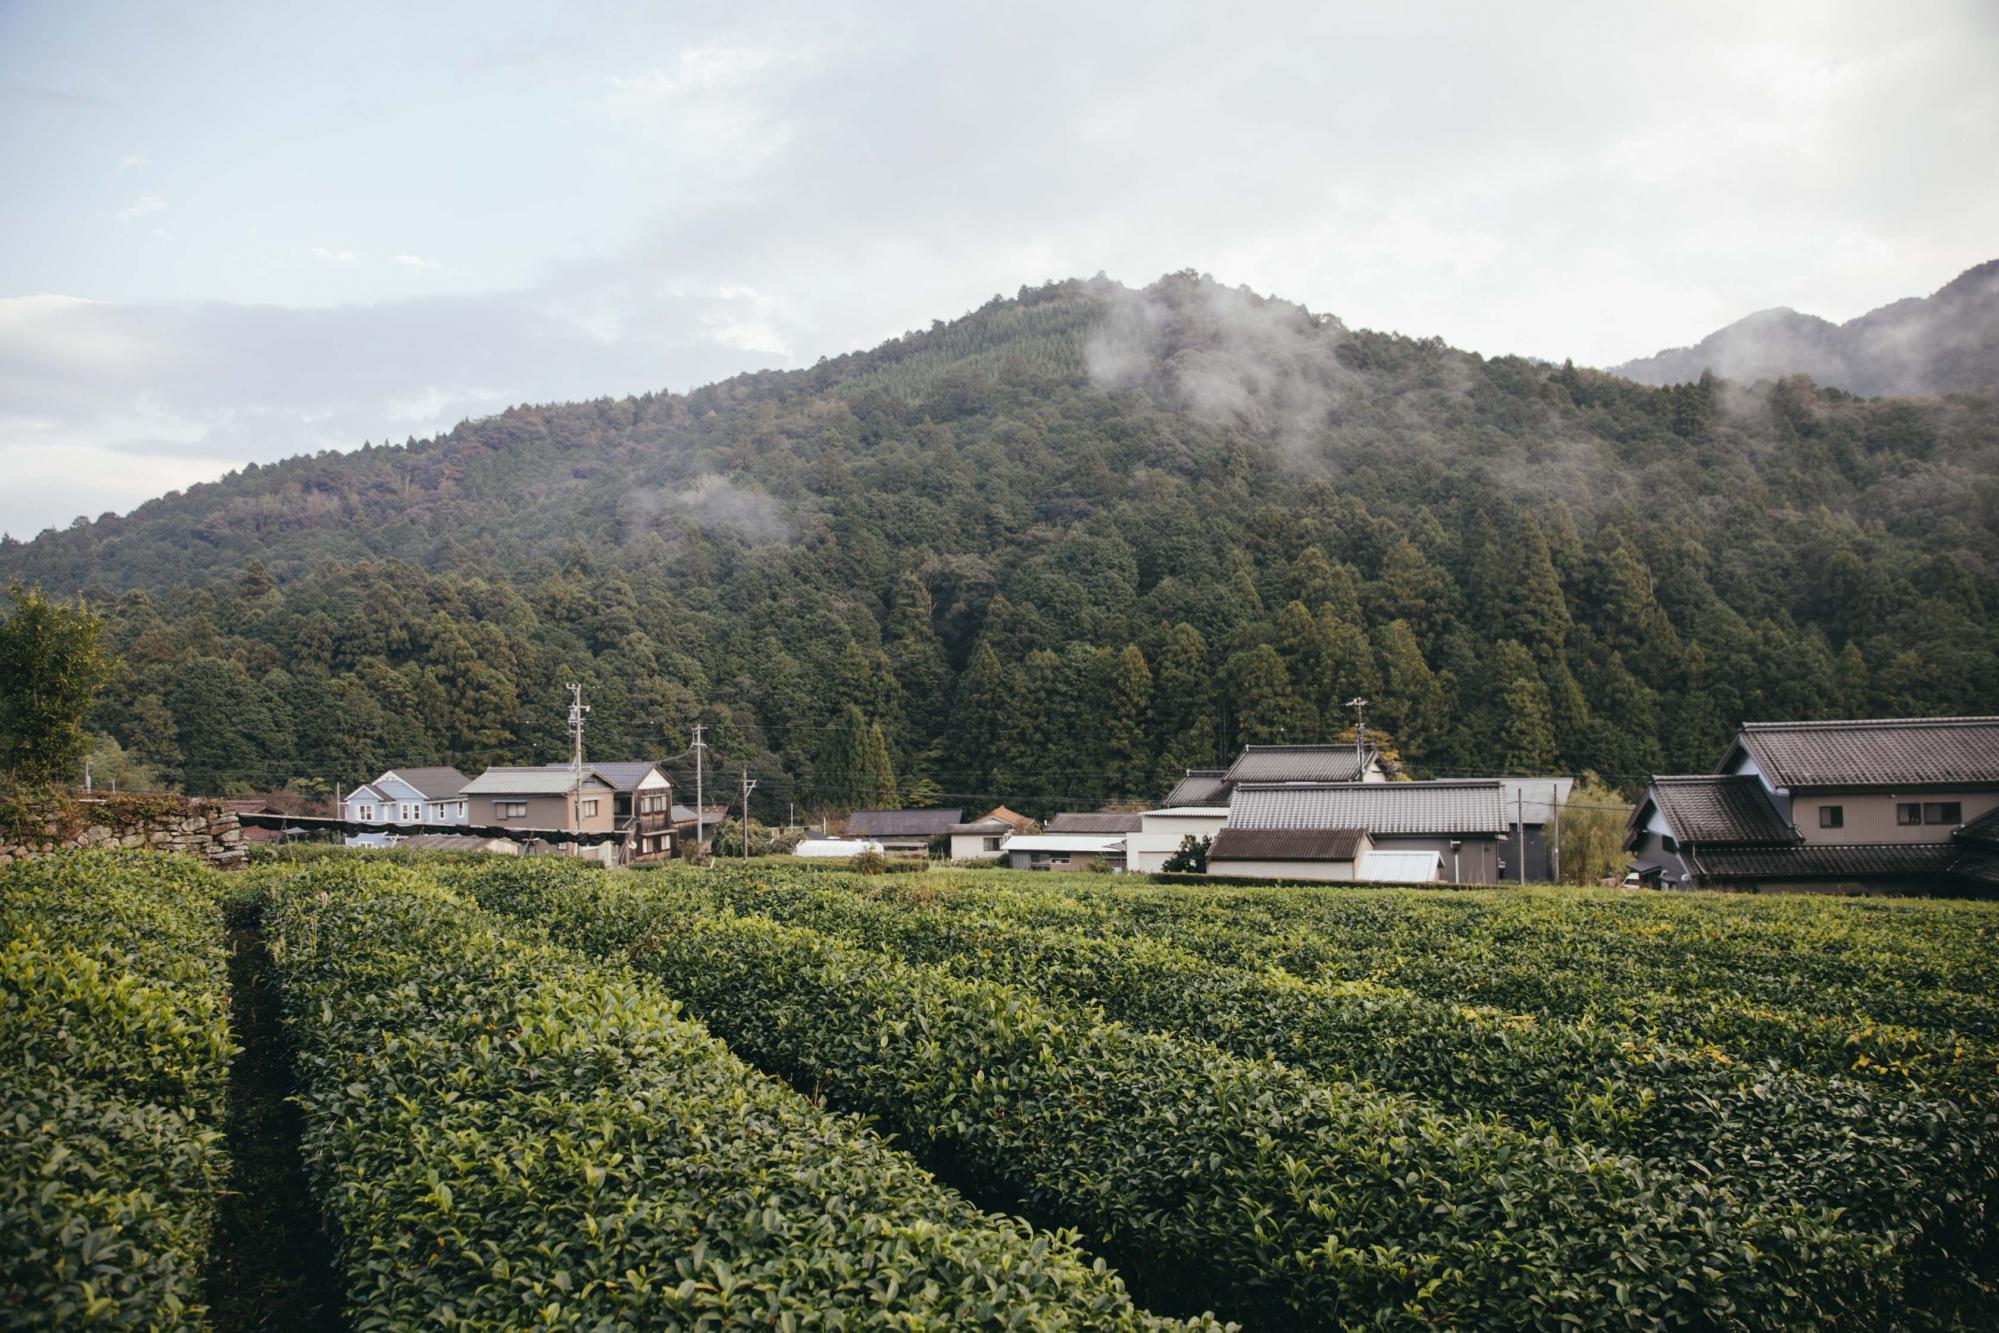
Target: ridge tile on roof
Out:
[1409,809]
[1876,752]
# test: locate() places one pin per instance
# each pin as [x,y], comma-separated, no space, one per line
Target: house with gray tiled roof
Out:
[1880,805]
[905,832]
[1462,820]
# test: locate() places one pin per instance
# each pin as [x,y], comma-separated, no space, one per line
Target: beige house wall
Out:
[548,812]
[1870,817]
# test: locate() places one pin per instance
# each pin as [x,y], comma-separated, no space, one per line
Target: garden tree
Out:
[1128,756]
[1267,710]
[1411,702]
[1592,839]
[112,769]
[1520,724]
[851,769]
[50,669]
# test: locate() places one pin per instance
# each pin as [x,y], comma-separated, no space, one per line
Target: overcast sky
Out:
[238,232]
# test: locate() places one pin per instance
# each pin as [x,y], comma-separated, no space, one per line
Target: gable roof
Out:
[1273,844]
[1005,816]
[927,823]
[1880,752]
[1459,807]
[1298,763]
[1984,829]
[435,784]
[542,780]
[1710,809]
[1101,821]
[1201,786]
[367,791]
[626,775]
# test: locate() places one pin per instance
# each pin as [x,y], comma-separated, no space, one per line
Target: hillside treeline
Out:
[1054,552]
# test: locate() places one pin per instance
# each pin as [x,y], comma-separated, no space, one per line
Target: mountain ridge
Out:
[1947,342]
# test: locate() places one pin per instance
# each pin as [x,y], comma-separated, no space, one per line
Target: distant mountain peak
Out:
[1947,342]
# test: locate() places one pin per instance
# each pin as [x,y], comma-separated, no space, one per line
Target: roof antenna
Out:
[1359,706]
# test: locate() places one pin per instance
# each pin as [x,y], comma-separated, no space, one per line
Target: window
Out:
[587,808]
[1943,812]
[1666,842]
[992,844]
[1908,812]
[1832,816]
[461,809]
[510,809]
[367,814]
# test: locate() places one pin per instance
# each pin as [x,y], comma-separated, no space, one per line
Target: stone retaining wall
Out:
[42,824]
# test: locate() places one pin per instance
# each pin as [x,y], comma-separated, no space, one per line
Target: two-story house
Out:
[1873,806]
[403,799]
[552,797]
[641,807]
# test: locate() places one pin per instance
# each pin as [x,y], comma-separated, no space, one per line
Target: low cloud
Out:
[417,262]
[144,206]
[326,256]
[710,503]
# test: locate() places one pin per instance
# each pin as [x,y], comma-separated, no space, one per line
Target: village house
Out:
[980,839]
[1161,832]
[1895,805]
[641,807]
[553,797]
[1459,821]
[905,832]
[405,799]
[1063,851]
[694,831]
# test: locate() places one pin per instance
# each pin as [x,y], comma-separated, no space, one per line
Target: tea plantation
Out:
[522,1093]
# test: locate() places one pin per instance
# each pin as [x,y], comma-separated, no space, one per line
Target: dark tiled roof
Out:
[1405,808]
[626,775]
[1706,808]
[684,814]
[1981,868]
[434,783]
[1828,861]
[930,823]
[1296,763]
[1984,829]
[1201,786]
[542,780]
[1272,844]
[1102,821]
[1893,752]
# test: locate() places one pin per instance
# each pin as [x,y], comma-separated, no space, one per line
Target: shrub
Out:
[114,1061]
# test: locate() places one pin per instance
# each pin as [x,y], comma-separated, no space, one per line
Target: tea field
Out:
[524,1094]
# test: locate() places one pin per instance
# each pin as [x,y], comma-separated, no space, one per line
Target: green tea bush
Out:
[1230,1182]
[506,1136]
[114,1064]
[1922,1172]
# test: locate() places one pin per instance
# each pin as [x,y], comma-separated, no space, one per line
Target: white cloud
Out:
[327,256]
[144,206]
[417,262]
[130,160]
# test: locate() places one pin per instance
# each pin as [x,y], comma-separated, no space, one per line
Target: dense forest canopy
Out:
[1054,551]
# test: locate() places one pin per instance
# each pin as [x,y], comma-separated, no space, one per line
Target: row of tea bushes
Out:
[507,1136]
[114,1065]
[1924,1173]
[1238,1182]
[1658,963]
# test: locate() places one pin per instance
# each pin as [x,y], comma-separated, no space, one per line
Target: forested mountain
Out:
[1056,550]
[1947,342]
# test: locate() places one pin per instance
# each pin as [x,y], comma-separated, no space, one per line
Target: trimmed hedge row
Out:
[506,1136]
[114,1065]
[1917,1171]
[1274,1198]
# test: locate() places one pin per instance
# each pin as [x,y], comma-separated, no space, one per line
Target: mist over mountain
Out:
[1056,550]
[1947,342]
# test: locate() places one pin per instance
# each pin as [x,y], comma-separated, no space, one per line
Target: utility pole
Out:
[1520,827]
[577,708]
[1555,845]
[699,823]
[1359,706]
[745,824]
